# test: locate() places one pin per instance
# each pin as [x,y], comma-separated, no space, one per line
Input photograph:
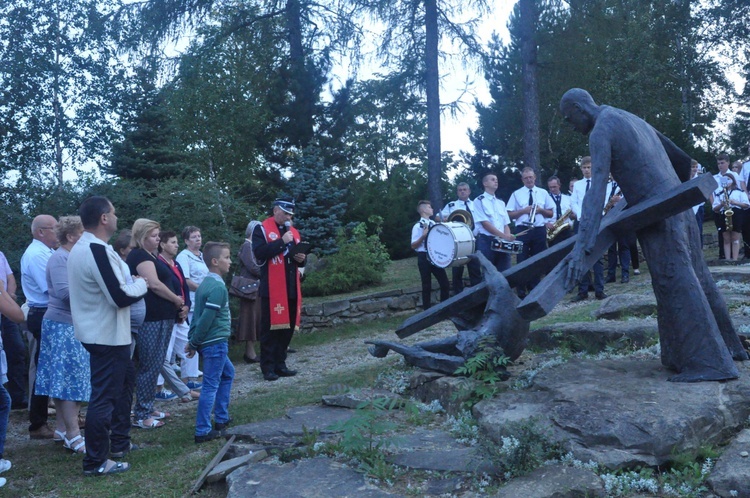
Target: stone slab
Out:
[316,477]
[732,469]
[355,397]
[555,481]
[221,471]
[287,430]
[625,305]
[597,335]
[622,412]
[736,273]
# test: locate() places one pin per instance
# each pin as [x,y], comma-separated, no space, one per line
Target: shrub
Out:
[360,262]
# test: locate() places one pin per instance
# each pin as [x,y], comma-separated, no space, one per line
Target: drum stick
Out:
[523,232]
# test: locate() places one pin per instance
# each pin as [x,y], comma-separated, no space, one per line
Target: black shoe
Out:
[610,280]
[214,434]
[579,298]
[219,426]
[250,360]
[290,350]
[285,372]
[270,376]
[625,280]
[601,295]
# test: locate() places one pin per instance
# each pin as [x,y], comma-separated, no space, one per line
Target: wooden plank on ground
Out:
[213,463]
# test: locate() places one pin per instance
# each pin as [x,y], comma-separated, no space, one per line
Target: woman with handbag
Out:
[245,286]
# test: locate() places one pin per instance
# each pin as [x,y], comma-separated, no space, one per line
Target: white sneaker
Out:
[2,481]
[4,465]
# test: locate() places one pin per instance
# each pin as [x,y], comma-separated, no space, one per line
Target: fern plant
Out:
[488,366]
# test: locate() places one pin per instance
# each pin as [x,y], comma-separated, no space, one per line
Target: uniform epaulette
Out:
[481,197]
[451,204]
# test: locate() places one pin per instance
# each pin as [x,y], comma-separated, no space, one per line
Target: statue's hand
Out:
[575,268]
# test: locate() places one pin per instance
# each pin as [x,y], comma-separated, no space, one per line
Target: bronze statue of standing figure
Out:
[698,339]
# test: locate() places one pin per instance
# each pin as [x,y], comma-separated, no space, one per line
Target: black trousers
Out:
[18,370]
[108,415]
[426,269]
[38,406]
[534,242]
[274,343]
[475,275]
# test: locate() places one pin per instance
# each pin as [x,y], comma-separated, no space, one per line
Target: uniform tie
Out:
[557,199]
[614,189]
[466,203]
[588,184]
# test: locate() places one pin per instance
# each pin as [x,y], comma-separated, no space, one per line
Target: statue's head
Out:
[579,109]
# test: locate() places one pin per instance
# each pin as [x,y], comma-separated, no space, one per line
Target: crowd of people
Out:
[542,218]
[107,325]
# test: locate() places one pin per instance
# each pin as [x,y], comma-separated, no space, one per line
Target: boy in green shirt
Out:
[209,335]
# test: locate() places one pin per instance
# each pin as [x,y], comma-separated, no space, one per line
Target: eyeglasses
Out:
[47,228]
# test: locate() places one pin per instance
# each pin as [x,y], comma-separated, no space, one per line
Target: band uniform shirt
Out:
[736,195]
[579,192]
[487,207]
[610,193]
[467,205]
[520,199]
[745,173]
[417,230]
[565,204]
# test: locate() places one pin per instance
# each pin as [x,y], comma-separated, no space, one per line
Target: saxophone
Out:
[728,211]
[611,202]
[559,226]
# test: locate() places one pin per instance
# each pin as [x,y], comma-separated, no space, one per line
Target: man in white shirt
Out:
[100,300]
[562,205]
[524,203]
[34,284]
[426,268]
[463,202]
[491,221]
[621,246]
[579,192]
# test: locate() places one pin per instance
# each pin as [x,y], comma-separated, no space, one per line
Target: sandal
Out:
[148,423]
[71,445]
[160,415]
[108,467]
[190,396]
[59,436]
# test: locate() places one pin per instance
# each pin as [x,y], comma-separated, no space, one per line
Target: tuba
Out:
[462,216]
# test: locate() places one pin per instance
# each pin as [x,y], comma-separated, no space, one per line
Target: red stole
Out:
[277,297]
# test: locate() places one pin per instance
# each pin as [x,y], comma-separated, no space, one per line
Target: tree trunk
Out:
[528,18]
[56,104]
[432,82]
[301,86]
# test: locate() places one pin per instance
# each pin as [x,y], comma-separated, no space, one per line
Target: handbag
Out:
[244,288]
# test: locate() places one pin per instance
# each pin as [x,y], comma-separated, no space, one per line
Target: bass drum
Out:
[449,244]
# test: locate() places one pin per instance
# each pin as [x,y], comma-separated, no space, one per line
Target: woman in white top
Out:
[737,201]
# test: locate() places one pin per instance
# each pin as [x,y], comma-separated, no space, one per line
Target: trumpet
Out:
[532,215]
[559,226]
[728,211]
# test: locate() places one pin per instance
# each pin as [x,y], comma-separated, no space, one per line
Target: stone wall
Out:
[362,309]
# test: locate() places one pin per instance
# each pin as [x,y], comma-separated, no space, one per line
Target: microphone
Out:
[288,225]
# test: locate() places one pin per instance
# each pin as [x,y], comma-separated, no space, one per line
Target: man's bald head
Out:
[43,230]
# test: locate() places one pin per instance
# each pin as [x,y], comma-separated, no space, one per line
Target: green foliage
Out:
[488,367]
[59,76]
[319,203]
[524,449]
[644,57]
[361,261]
[363,437]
